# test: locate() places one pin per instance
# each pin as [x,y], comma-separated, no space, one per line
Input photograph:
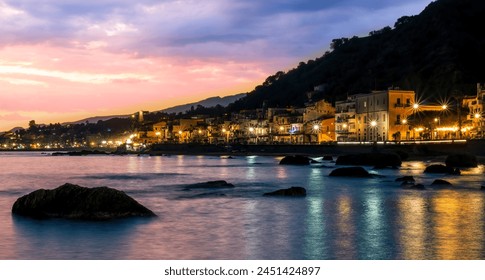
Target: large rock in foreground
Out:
[371,159]
[76,202]
[358,172]
[461,160]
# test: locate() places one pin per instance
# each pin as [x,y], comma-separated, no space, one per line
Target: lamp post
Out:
[373,125]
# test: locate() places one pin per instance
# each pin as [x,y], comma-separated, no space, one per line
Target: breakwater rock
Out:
[75,202]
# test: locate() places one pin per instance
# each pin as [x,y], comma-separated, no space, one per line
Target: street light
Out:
[373,124]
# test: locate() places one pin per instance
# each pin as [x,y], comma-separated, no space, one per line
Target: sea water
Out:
[340,218]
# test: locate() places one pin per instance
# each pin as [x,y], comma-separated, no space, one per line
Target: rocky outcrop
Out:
[442,169]
[358,172]
[461,160]
[296,160]
[75,202]
[379,160]
[293,191]
[440,182]
[211,185]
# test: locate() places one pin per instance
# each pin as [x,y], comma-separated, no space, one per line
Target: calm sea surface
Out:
[339,218]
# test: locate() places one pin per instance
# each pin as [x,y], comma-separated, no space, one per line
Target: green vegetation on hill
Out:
[438,53]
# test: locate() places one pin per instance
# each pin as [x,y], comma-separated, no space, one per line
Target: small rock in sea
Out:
[210,184]
[442,169]
[440,182]
[350,172]
[295,160]
[405,179]
[293,191]
[75,202]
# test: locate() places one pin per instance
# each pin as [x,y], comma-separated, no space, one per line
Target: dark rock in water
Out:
[442,169]
[441,183]
[80,153]
[350,172]
[405,179]
[327,158]
[210,184]
[296,160]
[293,191]
[461,160]
[76,202]
[373,159]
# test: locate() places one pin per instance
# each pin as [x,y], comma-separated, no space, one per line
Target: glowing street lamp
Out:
[404,121]
[444,107]
[415,106]
[316,127]
[373,123]
[477,115]
[251,129]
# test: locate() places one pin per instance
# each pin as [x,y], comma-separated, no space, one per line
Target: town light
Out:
[282,128]
[436,120]
[415,106]
[316,127]
[180,132]
[404,121]
[373,123]
[223,130]
[477,115]
[444,107]
[251,129]
[345,125]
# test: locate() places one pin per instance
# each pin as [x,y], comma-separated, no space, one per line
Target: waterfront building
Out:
[345,126]
[377,116]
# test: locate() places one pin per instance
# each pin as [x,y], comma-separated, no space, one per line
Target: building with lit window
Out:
[377,116]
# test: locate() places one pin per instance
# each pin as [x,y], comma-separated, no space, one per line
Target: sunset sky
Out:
[64,60]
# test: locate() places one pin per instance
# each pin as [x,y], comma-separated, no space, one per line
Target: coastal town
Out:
[392,115]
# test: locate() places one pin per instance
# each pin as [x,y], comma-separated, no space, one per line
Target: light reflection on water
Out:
[339,218]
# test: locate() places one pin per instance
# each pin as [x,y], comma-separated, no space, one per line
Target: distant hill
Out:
[96,119]
[438,53]
[209,102]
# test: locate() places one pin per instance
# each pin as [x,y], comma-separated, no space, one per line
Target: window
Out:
[383,117]
[398,101]
[398,119]
[408,101]
[365,104]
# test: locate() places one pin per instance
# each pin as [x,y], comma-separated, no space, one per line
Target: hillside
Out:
[437,53]
[209,102]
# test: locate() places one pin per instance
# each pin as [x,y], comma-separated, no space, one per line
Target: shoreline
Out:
[412,150]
